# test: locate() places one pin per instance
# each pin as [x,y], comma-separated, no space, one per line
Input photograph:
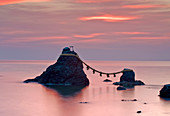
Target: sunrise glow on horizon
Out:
[113,28]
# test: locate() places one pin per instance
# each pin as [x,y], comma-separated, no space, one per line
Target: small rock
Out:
[107,80]
[145,103]
[121,88]
[134,100]
[129,100]
[139,112]
[83,102]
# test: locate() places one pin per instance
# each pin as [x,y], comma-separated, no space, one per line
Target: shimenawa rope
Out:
[94,70]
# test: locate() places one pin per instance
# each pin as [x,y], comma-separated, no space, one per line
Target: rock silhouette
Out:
[165,91]
[68,70]
[128,79]
[128,76]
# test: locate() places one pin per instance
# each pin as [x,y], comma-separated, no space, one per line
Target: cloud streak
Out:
[34,39]
[6,2]
[17,32]
[88,36]
[92,1]
[149,38]
[108,18]
[142,6]
[132,33]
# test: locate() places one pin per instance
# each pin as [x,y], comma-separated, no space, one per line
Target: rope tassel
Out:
[101,74]
[88,67]
[114,75]
[107,75]
[94,71]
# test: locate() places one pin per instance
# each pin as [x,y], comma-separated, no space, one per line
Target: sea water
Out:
[98,99]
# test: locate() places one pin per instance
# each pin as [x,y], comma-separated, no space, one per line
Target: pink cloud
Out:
[142,6]
[149,38]
[78,41]
[92,1]
[108,18]
[17,32]
[131,33]
[55,39]
[6,2]
[88,36]
[34,39]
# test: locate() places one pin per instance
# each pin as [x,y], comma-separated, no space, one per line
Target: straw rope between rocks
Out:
[94,70]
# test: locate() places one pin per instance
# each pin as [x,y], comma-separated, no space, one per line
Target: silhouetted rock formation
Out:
[128,76]
[128,79]
[107,80]
[68,70]
[165,91]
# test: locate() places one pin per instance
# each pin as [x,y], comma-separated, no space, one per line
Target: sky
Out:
[120,30]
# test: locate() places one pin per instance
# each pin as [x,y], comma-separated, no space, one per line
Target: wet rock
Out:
[139,112]
[134,100]
[129,100]
[128,79]
[121,88]
[107,80]
[165,91]
[83,102]
[68,70]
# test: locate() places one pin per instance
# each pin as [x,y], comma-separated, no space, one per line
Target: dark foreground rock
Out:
[165,91]
[68,70]
[128,80]
[107,80]
[139,112]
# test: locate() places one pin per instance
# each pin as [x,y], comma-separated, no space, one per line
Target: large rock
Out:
[68,70]
[128,79]
[128,76]
[165,91]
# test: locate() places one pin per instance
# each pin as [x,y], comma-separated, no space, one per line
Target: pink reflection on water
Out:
[61,105]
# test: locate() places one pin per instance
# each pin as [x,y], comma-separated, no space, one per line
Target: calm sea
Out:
[103,99]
